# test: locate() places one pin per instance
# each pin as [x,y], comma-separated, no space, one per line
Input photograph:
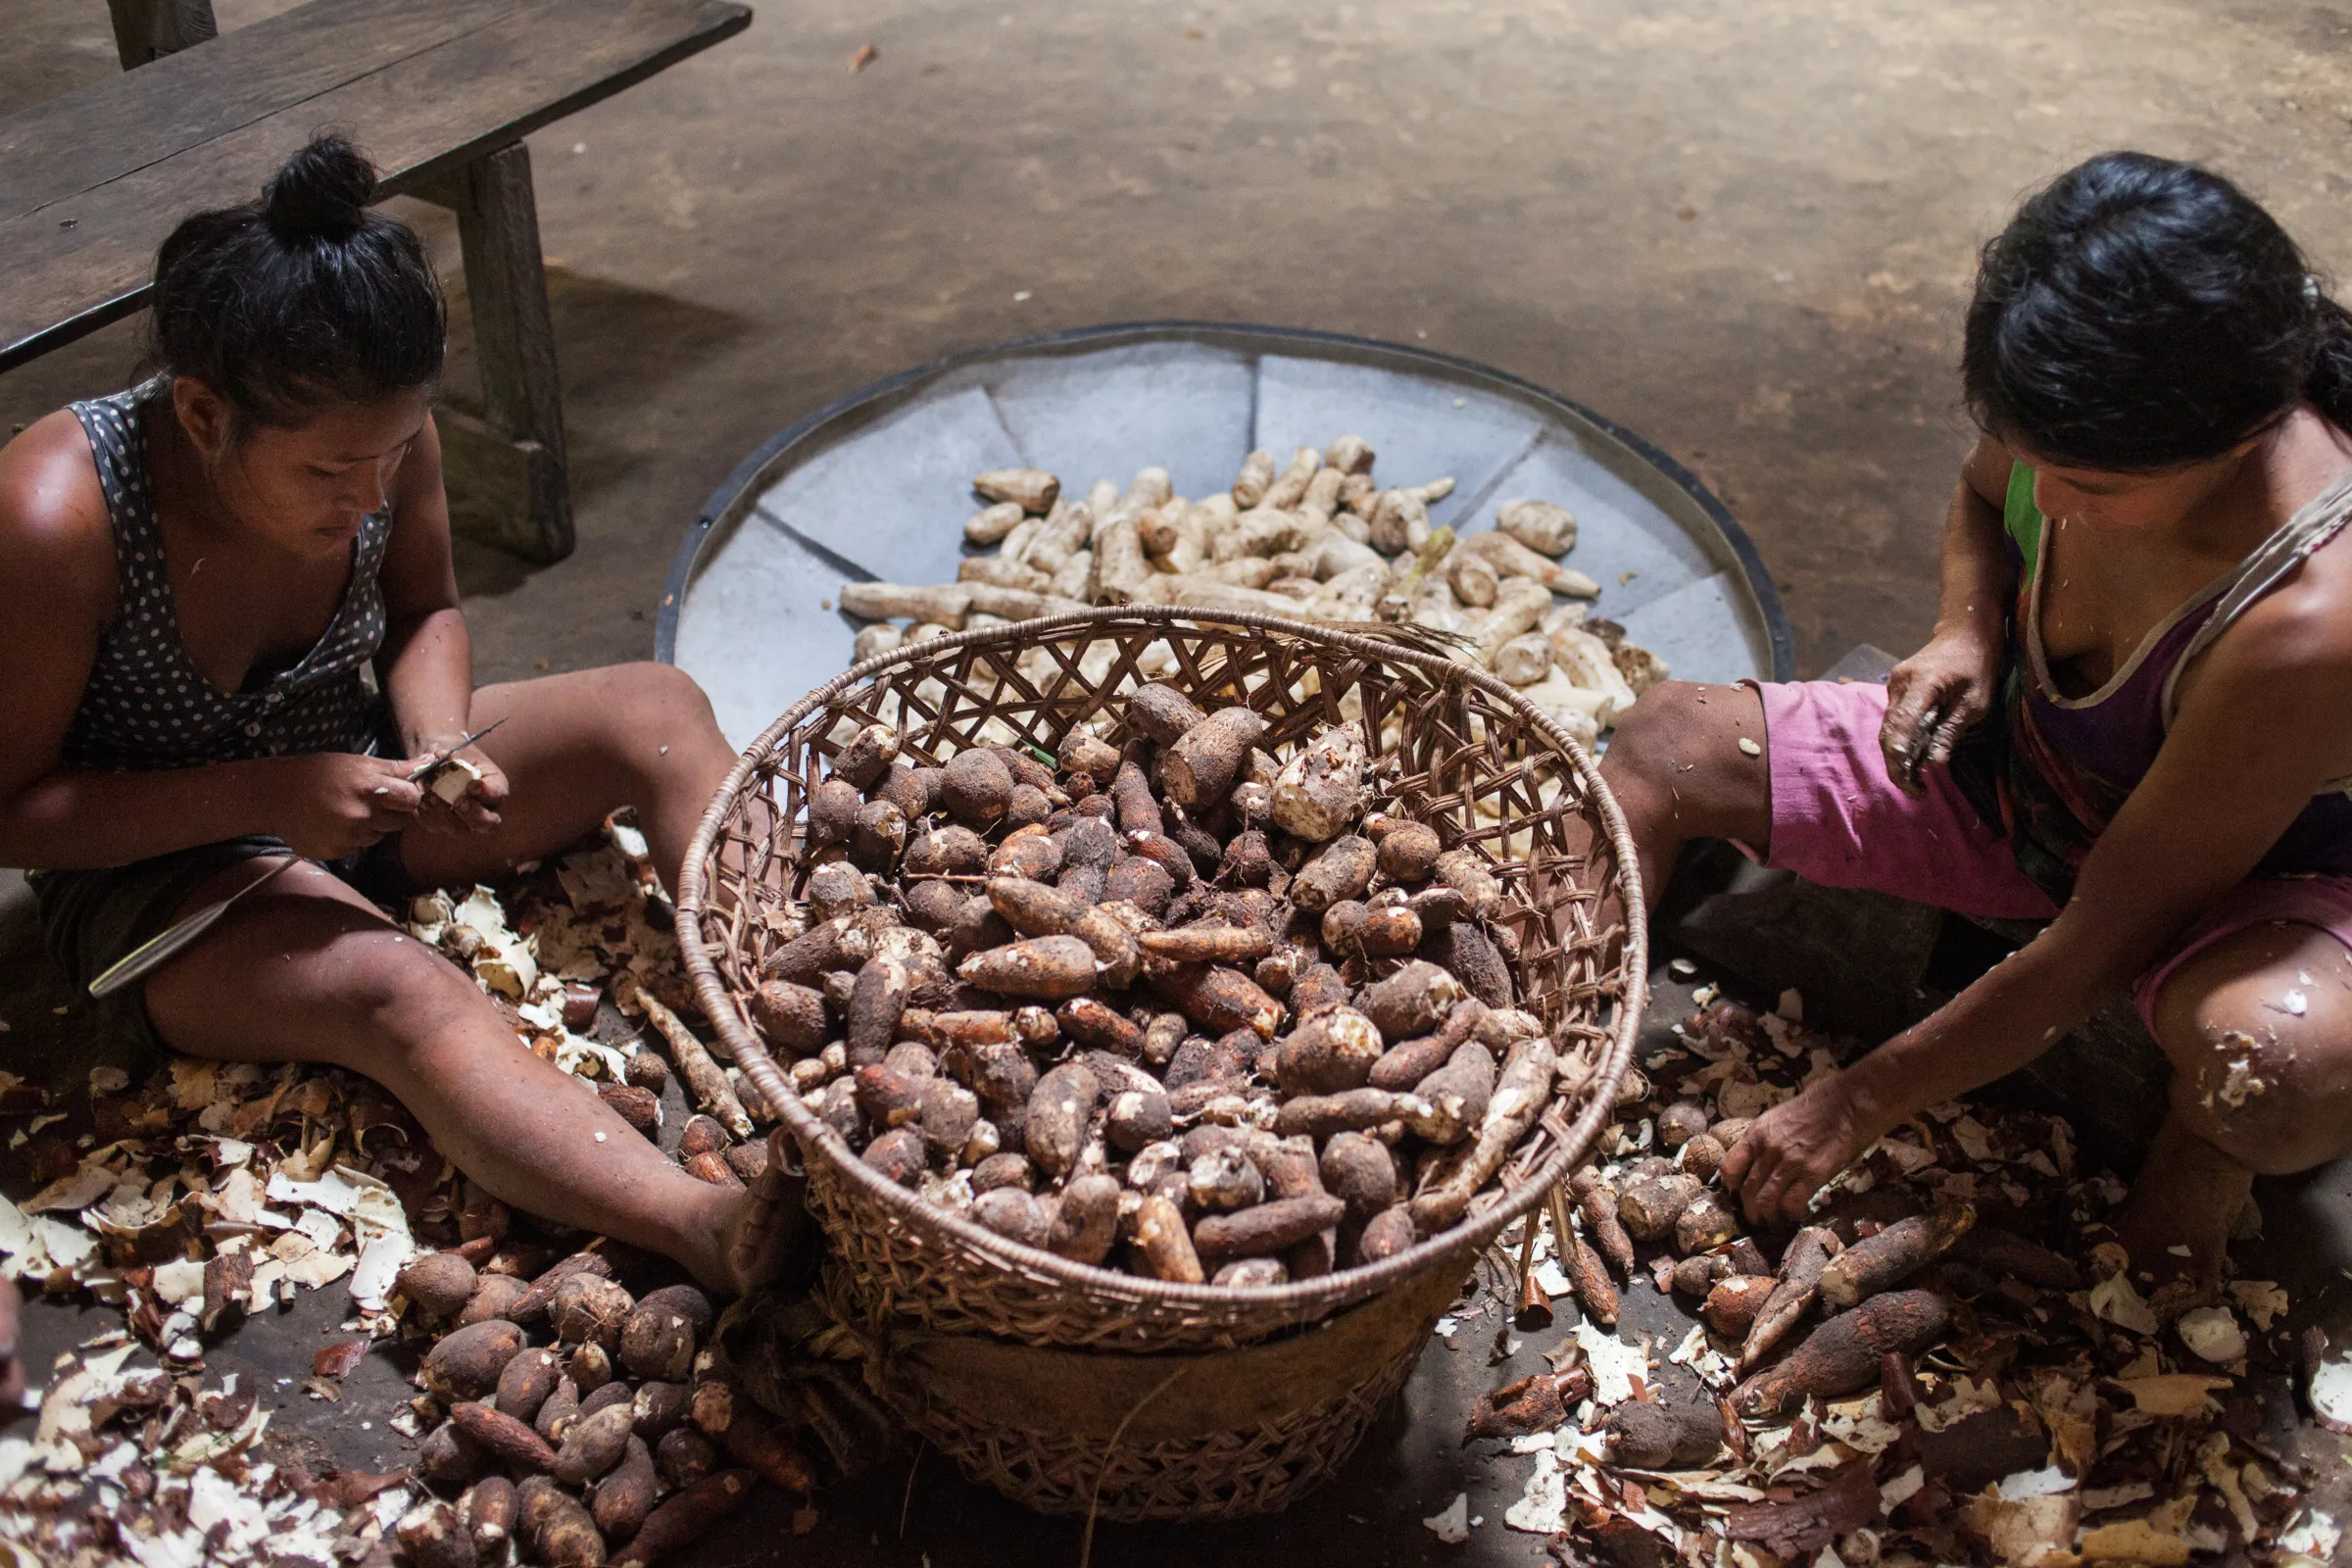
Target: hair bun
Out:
[321,193]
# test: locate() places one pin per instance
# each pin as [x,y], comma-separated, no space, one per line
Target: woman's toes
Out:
[771,1221]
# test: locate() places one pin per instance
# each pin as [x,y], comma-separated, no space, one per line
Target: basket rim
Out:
[1315,1297]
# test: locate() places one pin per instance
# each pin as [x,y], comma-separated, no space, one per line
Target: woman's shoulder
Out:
[54,527]
[2302,626]
[1991,470]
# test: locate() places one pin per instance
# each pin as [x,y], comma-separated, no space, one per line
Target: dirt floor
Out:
[1744,231]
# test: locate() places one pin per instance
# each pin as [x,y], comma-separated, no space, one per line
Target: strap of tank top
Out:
[2319,520]
[114,447]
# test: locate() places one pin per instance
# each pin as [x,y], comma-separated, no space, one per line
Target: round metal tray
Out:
[877,486]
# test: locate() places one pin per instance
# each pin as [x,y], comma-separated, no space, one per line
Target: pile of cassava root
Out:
[1316,541]
[1952,1362]
[615,1438]
[1176,1009]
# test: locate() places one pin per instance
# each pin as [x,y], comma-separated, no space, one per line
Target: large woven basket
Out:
[1075,1389]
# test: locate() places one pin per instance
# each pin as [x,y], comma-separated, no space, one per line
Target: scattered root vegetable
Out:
[703,1074]
[526,1383]
[1642,1436]
[1596,1294]
[502,1437]
[1534,1403]
[2005,1255]
[1733,1303]
[1598,1201]
[1697,1274]
[437,1284]
[488,1512]
[466,1364]
[1883,1261]
[1651,1206]
[1844,1354]
[1681,1122]
[685,1517]
[1799,1285]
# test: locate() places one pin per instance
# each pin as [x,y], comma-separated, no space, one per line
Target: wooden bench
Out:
[440,94]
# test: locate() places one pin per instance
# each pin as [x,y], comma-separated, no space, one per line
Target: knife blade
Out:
[150,955]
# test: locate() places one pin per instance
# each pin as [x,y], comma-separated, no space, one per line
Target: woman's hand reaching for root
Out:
[1794,1149]
[1932,697]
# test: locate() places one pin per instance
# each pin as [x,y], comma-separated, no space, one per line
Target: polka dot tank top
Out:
[147,705]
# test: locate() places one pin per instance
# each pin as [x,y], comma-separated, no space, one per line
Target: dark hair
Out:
[303,298]
[2138,312]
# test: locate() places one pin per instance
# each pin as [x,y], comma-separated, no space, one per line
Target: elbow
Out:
[34,824]
[2089,956]
[18,849]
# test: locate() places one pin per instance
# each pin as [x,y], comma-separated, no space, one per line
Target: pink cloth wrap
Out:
[1837,820]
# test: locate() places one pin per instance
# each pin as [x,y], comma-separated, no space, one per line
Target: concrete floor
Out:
[1744,231]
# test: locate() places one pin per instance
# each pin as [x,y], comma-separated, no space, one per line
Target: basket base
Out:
[1218,1434]
[1252,1470]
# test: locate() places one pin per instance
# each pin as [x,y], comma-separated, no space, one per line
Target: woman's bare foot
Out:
[758,1238]
[2178,1220]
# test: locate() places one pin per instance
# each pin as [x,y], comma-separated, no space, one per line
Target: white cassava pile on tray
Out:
[1318,541]
[1954,1362]
[1184,1010]
[216,1190]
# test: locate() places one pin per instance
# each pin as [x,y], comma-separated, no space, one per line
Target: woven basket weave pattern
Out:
[1454,748]
[1249,1470]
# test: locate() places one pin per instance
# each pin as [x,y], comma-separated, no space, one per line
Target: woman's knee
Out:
[1678,748]
[653,693]
[310,979]
[650,711]
[2260,1053]
[397,993]
[2239,1101]
[1645,738]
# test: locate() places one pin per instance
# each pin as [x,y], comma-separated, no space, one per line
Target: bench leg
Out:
[505,474]
[147,28]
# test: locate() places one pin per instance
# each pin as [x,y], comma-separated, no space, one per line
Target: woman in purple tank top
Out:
[201,573]
[2133,719]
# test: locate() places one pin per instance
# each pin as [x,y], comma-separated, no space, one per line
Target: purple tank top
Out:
[2055,770]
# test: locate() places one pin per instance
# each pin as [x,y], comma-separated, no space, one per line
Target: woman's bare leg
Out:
[1675,767]
[2259,1032]
[307,970]
[575,748]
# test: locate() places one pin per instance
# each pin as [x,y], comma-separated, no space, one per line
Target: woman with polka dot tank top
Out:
[233,628]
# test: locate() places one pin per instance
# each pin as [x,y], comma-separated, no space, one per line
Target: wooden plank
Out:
[109,129]
[505,287]
[499,488]
[505,283]
[78,264]
[514,340]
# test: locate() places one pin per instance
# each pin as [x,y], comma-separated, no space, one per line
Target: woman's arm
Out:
[427,663]
[57,590]
[1977,576]
[1956,674]
[2241,762]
